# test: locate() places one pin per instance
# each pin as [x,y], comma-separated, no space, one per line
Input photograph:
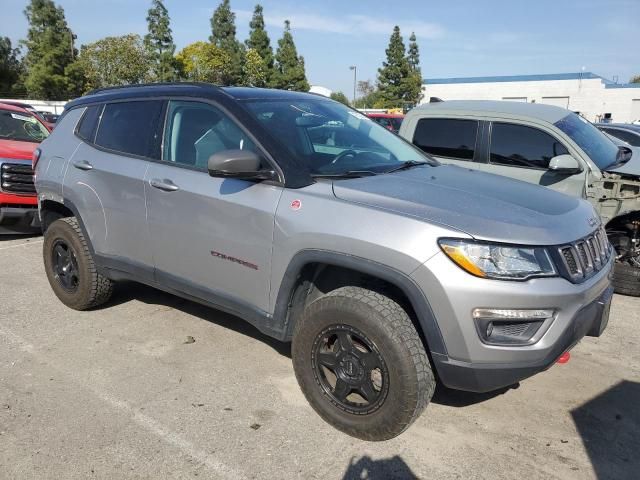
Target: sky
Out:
[457,38]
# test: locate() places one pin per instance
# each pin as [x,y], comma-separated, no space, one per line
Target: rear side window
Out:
[521,146]
[88,123]
[447,137]
[130,127]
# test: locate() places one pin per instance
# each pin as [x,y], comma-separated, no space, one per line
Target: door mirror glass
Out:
[243,164]
[565,164]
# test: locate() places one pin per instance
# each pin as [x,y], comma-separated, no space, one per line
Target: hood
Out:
[17,150]
[485,206]
[632,167]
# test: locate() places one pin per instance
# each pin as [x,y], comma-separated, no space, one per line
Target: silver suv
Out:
[384,268]
[548,146]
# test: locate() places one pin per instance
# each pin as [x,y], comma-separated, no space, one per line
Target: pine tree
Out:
[159,42]
[10,67]
[223,36]
[50,51]
[394,72]
[255,71]
[259,41]
[414,80]
[289,72]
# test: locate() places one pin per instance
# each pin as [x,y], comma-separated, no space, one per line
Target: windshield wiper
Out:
[406,165]
[347,174]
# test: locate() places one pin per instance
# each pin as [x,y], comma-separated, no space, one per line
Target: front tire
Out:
[70,268]
[361,364]
[626,279]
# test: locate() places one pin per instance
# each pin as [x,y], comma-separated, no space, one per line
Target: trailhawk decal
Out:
[244,263]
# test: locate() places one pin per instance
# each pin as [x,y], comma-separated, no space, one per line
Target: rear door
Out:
[450,140]
[211,237]
[524,152]
[105,180]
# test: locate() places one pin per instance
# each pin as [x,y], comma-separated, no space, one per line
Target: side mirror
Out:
[564,164]
[242,164]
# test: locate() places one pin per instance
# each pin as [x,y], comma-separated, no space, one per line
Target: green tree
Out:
[115,61]
[392,77]
[289,72]
[635,79]
[223,36]
[204,62]
[159,43]
[413,82]
[50,51]
[340,97]
[255,70]
[260,42]
[10,67]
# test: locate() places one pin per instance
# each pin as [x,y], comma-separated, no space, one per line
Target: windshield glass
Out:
[21,127]
[333,139]
[602,151]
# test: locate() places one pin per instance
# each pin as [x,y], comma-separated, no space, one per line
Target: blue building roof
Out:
[530,78]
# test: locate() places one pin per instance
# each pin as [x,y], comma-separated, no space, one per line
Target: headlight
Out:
[503,262]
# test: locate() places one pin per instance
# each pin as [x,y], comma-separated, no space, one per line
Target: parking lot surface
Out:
[152,386]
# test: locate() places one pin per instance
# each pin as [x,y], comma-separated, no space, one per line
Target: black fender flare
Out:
[404,282]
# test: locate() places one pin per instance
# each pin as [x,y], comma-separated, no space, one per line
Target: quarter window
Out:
[88,123]
[521,146]
[195,131]
[447,137]
[130,127]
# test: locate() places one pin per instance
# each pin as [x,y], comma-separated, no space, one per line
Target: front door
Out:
[211,237]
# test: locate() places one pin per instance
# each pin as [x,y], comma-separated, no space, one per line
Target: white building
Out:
[594,97]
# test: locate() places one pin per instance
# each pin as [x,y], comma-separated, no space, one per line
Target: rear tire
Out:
[626,279]
[385,377]
[70,268]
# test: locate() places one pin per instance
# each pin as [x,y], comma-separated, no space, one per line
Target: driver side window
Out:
[522,146]
[195,131]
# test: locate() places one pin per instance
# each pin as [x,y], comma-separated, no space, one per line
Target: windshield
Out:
[332,139]
[602,151]
[21,127]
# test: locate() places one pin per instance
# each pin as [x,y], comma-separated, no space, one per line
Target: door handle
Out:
[83,165]
[164,185]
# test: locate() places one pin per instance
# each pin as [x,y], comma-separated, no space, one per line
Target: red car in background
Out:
[390,121]
[20,133]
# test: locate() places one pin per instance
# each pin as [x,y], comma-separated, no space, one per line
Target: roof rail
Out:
[155,84]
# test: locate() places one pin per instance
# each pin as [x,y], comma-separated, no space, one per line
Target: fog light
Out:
[513,327]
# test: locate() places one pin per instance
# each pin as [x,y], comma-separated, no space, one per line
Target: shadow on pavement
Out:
[366,468]
[126,291]
[609,425]
[24,237]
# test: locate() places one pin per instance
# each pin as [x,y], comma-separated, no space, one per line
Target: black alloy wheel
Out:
[65,265]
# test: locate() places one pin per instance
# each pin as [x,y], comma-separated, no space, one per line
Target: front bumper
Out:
[470,364]
[19,220]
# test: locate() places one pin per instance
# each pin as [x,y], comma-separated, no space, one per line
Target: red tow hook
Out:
[564,358]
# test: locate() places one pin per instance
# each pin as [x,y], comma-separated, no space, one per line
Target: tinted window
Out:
[130,127]
[520,146]
[195,131]
[629,137]
[447,137]
[88,122]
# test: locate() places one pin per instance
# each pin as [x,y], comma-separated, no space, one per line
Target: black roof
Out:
[185,89]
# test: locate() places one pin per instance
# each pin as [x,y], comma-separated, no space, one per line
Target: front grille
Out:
[16,178]
[583,258]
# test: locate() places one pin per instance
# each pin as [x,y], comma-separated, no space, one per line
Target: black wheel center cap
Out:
[351,367]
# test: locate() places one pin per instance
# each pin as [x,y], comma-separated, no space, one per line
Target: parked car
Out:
[32,110]
[20,134]
[549,146]
[384,268]
[390,121]
[629,134]
[49,117]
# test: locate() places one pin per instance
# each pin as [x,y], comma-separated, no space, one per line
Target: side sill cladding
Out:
[416,297]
